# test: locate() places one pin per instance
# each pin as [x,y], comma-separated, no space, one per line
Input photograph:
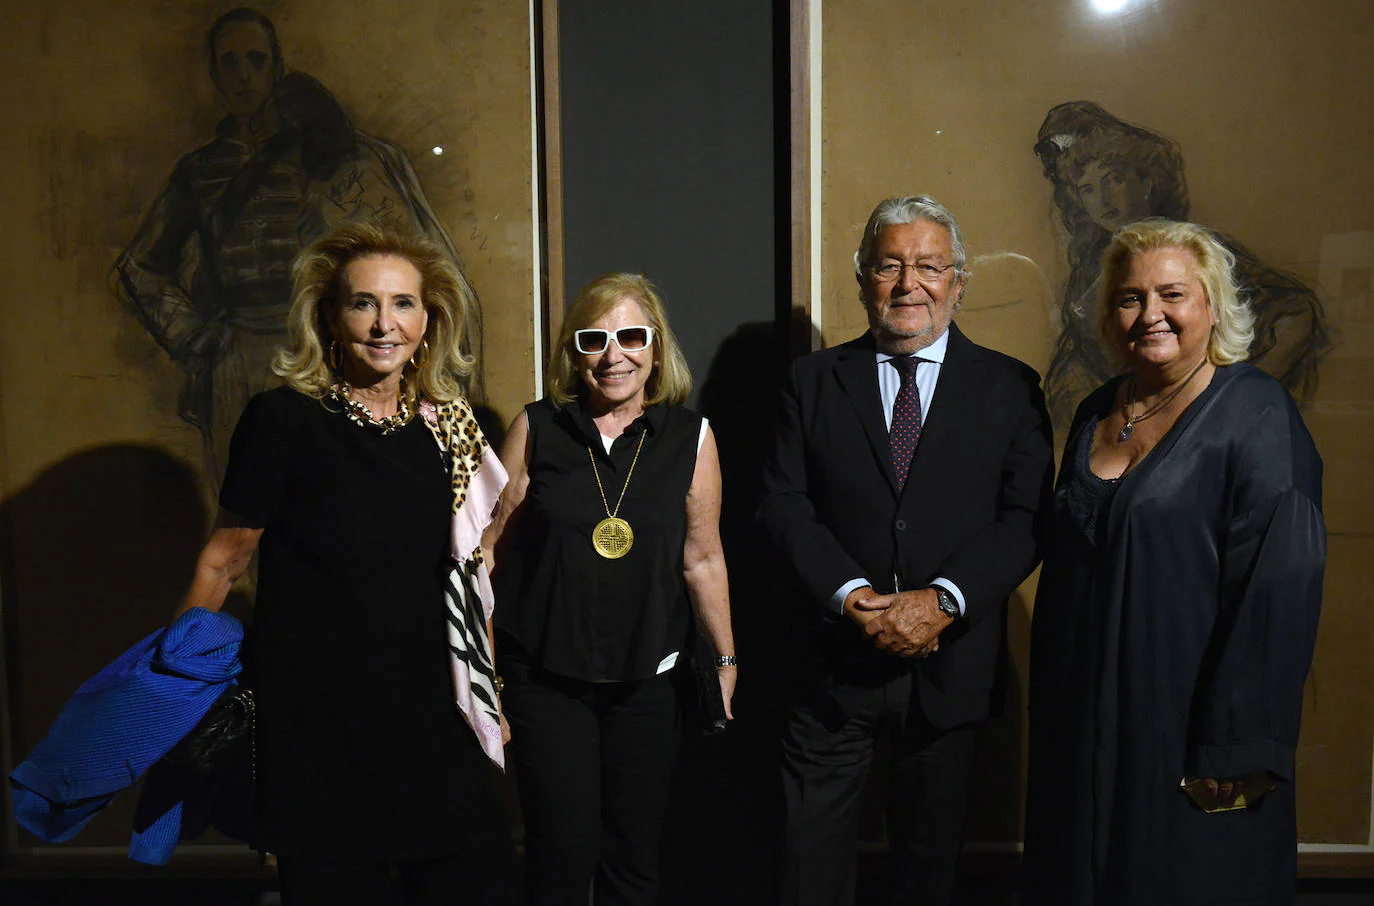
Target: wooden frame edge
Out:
[802,315]
[9,838]
[550,145]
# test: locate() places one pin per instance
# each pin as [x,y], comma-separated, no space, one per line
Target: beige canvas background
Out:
[1271,103]
[104,500]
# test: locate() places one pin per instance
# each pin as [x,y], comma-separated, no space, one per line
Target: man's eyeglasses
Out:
[892,270]
[593,340]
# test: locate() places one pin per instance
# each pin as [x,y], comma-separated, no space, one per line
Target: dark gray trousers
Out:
[827,750]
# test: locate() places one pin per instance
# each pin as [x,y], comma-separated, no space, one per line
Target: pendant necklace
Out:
[360,415]
[612,538]
[1132,420]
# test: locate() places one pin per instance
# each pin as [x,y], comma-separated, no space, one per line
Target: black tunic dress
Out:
[362,753]
[1172,640]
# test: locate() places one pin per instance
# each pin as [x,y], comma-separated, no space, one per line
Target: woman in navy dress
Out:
[1176,612]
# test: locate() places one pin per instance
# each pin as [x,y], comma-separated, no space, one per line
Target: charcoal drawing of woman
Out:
[1107,172]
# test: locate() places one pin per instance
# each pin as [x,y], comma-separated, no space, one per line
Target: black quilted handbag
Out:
[220,735]
[705,706]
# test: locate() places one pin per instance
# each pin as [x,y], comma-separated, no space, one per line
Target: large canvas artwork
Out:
[1106,173]
[1042,126]
[208,272]
[163,164]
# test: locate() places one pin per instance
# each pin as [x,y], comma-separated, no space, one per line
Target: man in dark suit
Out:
[908,471]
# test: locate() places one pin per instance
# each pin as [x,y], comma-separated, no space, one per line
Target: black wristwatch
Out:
[948,606]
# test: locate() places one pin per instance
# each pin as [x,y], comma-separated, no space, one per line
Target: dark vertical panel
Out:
[675,163]
[668,157]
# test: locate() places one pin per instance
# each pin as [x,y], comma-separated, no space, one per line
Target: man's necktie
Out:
[906,418]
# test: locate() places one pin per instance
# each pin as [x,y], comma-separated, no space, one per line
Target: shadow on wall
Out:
[492,425]
[98,551]
[723,824]
[996,797]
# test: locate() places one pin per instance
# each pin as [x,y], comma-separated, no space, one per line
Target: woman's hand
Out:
[727,676]
[505,729]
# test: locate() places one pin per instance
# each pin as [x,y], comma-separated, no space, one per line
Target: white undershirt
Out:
[701,437]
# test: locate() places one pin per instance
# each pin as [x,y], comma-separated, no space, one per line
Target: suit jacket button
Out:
[901,525]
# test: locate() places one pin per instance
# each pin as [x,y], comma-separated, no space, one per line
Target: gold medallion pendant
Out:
[613,537]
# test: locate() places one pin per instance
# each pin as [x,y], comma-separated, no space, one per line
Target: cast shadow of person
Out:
[997,794]
[723,823]
[98,550]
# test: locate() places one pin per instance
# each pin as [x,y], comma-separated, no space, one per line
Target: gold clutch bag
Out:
[1245,791]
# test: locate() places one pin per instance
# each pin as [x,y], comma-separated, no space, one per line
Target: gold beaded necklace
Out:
[360,415]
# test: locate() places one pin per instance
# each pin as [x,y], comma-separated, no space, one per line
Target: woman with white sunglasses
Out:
[606,543]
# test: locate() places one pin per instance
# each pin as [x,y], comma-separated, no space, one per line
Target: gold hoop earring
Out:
[334,356]
[422,351]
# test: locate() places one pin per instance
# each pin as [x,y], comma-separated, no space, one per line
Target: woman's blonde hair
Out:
[442,367]
[670,382]
[1234,326]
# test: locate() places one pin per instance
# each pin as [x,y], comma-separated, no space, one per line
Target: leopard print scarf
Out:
[476,480]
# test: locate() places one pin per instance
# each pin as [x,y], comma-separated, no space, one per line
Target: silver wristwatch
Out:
[948,606]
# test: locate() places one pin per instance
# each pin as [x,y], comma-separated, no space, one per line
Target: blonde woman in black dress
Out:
[373,744]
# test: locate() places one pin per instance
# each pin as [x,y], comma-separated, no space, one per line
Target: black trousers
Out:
[464,878]
[593,764]
[827,749]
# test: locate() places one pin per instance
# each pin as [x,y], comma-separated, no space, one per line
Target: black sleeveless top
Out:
[567,608]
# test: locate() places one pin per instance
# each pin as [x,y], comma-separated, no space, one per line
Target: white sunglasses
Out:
[594,340]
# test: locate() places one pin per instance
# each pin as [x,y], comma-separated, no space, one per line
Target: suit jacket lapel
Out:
[857,374]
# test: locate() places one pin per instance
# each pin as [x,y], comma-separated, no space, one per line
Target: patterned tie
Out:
[906,418]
